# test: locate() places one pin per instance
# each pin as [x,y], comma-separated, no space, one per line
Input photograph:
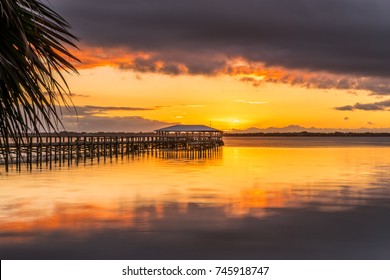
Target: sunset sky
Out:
[231,64]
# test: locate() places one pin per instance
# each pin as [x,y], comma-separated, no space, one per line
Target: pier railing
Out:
[65,148]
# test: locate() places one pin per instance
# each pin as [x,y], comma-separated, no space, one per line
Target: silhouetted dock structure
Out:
[64,148]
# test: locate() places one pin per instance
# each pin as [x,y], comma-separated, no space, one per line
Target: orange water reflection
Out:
[136,193]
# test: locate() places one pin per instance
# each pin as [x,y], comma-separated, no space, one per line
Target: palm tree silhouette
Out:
[34,54]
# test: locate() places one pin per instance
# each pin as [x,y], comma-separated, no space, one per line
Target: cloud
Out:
[112,124]
[96,56]
[72,94]
[258,73]
[376,106]
[90,110]
[181,106]
[190,106]
[79,95]
[153,65]
[342,37]
[345,108]
[176,63]
[369,107]
[91,118]
[250,102]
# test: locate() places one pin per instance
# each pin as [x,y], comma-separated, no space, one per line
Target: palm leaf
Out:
[34,43]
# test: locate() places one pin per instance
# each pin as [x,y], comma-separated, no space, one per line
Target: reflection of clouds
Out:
[141,209]
[381,177]
[23,222]
[79,220]
[201,231]
[75,218]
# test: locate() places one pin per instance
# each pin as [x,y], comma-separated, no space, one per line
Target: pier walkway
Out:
[64,148]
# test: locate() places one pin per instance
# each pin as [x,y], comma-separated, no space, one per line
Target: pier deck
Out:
[65,148]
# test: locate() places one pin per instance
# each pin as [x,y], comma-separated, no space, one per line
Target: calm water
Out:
[255,198]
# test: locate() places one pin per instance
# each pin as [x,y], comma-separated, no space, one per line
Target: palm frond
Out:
[34,53]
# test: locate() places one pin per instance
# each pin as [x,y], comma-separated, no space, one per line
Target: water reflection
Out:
[206,155]
[201,231]
[236,202]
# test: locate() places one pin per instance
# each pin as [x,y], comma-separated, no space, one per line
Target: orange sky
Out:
[238,96]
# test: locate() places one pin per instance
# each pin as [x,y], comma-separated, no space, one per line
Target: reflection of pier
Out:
[190,154]
[62,149]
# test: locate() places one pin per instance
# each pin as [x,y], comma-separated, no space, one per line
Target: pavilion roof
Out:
[187,128]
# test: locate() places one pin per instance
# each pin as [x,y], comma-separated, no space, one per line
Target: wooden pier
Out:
[63,149]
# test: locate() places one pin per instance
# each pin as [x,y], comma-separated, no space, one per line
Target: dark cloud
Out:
[153,65]
[376,106]
[176,64]
[369,107]
[257,75]
[79,95]
[345,108]
[338,36]
[72,94]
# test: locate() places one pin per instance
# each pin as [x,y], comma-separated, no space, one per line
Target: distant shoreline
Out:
[307,134]
[227,134]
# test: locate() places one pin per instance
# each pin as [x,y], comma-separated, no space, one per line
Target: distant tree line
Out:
[308,134]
